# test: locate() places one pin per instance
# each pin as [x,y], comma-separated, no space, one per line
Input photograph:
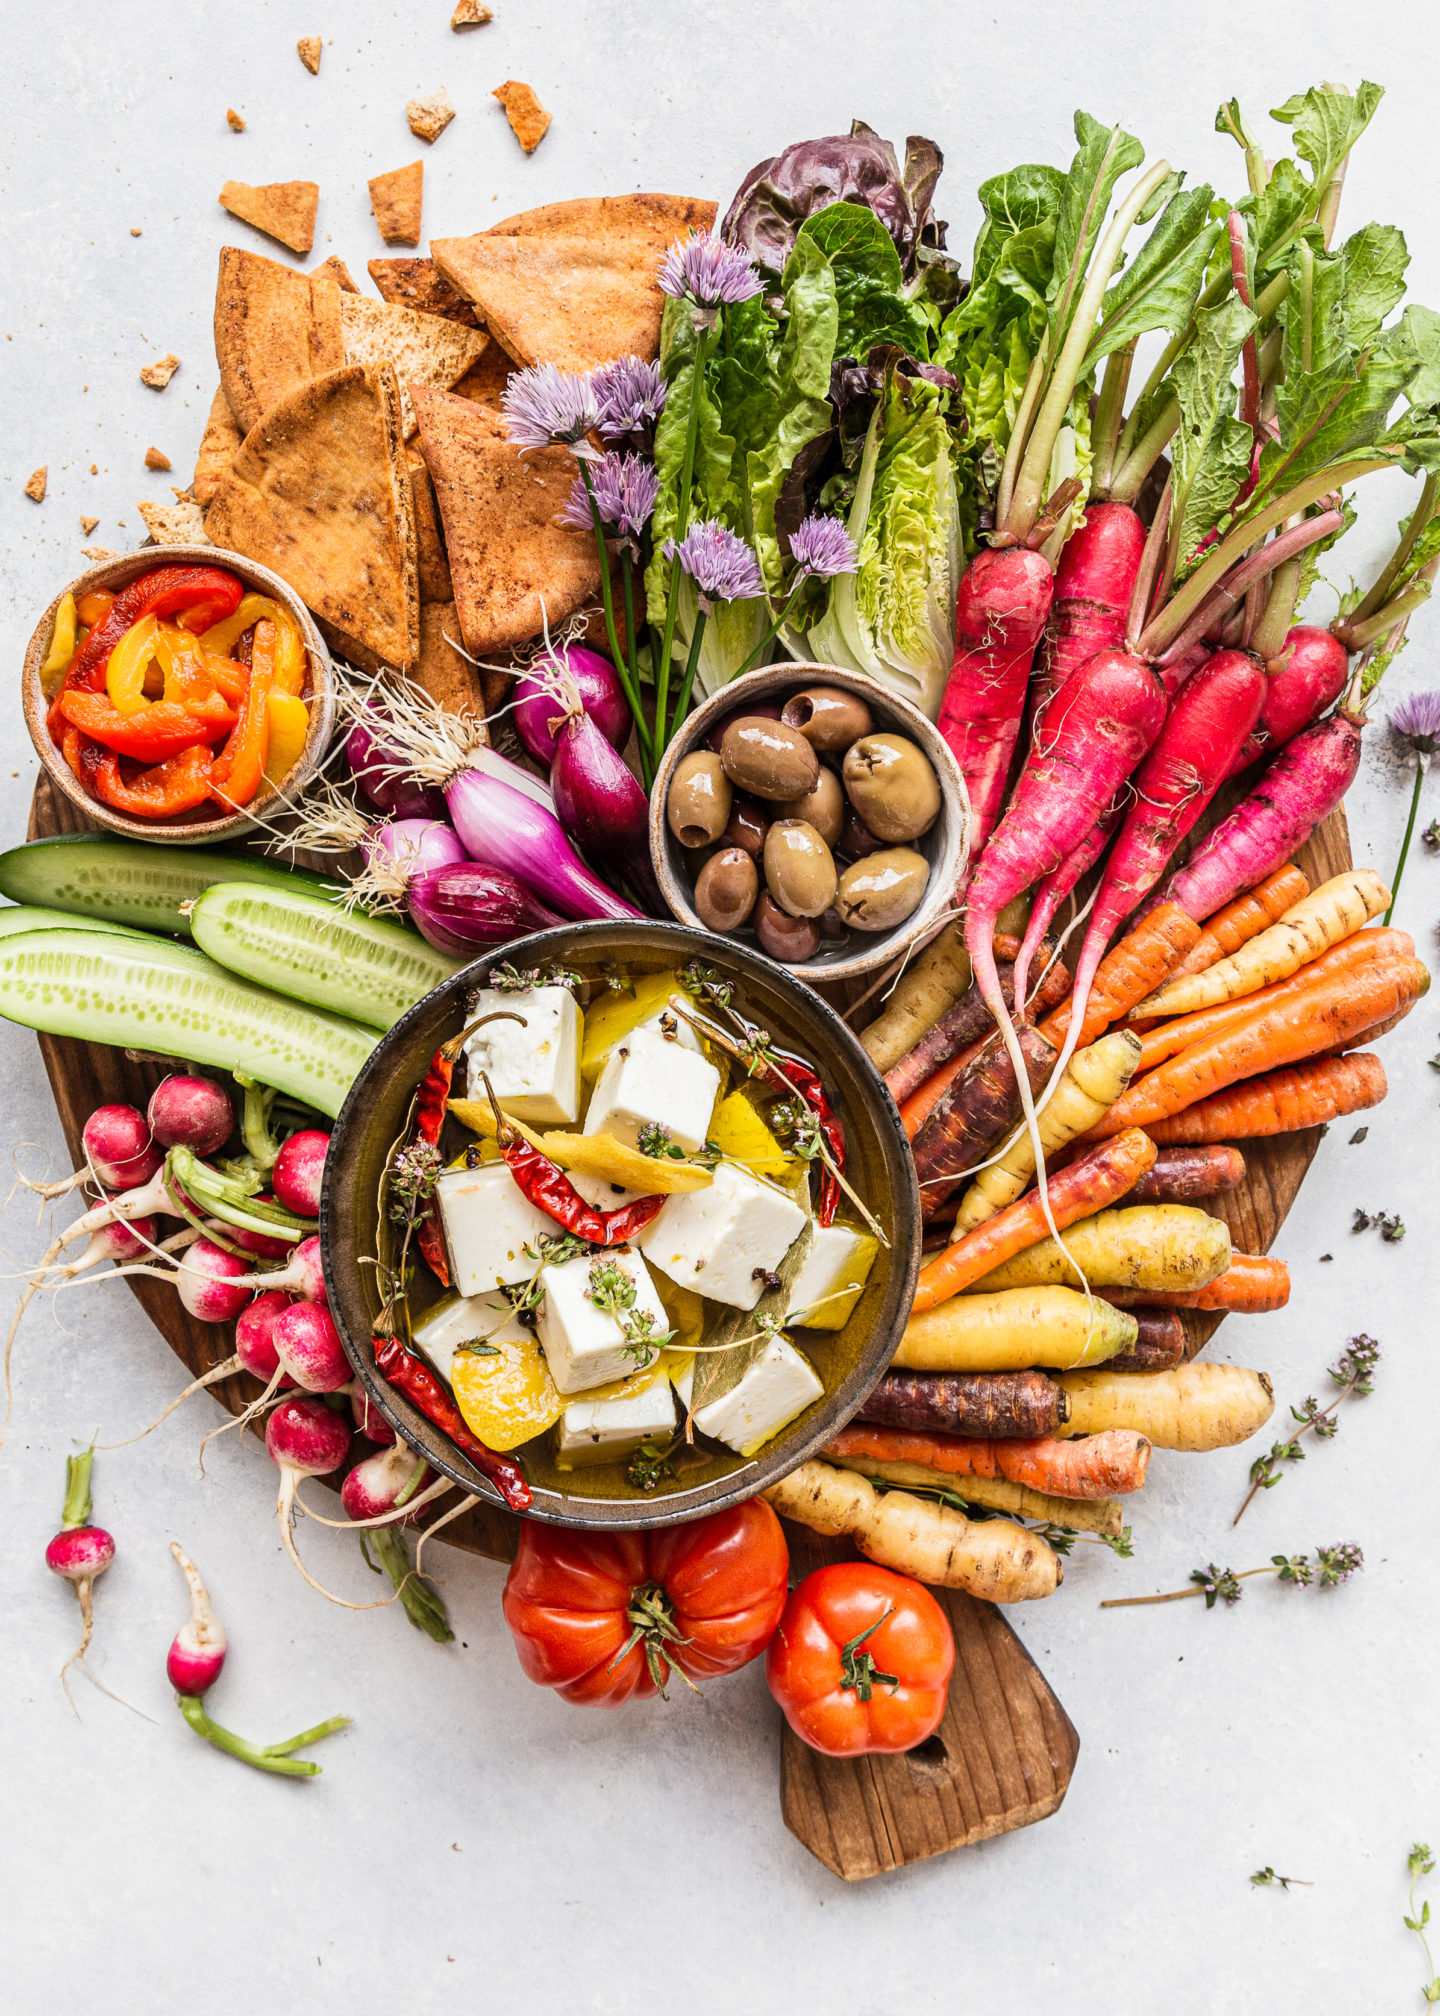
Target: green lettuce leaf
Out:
[869,285]
[1327,124]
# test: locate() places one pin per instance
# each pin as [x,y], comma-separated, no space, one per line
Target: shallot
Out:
[565,680]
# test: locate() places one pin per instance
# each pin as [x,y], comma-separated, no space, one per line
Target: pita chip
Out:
[529,121]
[178,524]
[470,14]
[35,485]
[217,445]
[486,381]
[513,567]
[396,198]
[309,49]
[274,330]
[575,302]
[429,115]
[419,284]
[430,557]
[645,219]
[334,268]
[425,349]
[319,491]
[283,210]
[450,680]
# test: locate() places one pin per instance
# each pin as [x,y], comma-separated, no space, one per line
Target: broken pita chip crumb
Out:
[221,438]
[396,199]
[308,50]
[136,232]
[36,486]
[156,458]
[419,284]
[174,524]
[435,584]
[430,115]
[274,330]
[233,120]
[425,349]
[282,210]
[87,525]
[334,268]
[575,301]
[95,554]
[319,490]
[158,375]
[529,121]
[470,14]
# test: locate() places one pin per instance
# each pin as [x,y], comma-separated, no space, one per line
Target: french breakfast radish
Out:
[190,1112]
[211,1283]
[1000,616]
[1311,676]
[308,1346]
[299,1171]
[1093,585]
[78,1554]
[119,1153]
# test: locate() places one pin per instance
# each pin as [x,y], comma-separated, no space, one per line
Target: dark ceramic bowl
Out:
[849,1360]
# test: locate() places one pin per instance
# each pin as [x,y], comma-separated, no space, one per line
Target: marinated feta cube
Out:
[605,1196]
[488,1223]
[777,1385]
[832,1278]
[533,1066]
[463,1320]
[682,1378]
[597,1431]
[723,1240]
[585,1345]
[652,1079]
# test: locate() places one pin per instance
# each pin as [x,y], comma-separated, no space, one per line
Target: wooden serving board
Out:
[1004,1754]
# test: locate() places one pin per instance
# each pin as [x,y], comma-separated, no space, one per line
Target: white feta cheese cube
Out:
[832,1278]
[602,1194]
[723,1240]
[651,1079]
[585,1346]
[463,1319]
[488,1223]
[682,1378]
[597,1431]
[534,1067]
[777,1385]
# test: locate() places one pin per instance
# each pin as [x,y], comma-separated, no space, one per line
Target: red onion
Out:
[504,827]
[601,802]
[469,905]
[370,758]
[561,682]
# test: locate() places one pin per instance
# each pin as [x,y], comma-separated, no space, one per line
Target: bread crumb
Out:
[36,486]
[233,120]
[135,231]
[98,553]
[308,50]
[159,374]
[529,121]
[181,524]
[430,115]
[87,525]
[156,458]
[470,14]
[95,471]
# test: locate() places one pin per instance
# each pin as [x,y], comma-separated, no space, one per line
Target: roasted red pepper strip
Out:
[207,594]
[156,732]
[550,1190]
[405,1372]
[180,784]
[430,1107]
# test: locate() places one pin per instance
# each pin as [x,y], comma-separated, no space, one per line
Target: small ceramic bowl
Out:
[945,846]
[849,1360]
[215,825]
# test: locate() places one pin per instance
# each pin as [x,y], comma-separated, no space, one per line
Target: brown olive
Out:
[822,807]
[768,758]
[765,710]
[792,940]
[892,787]
[697,804]
[832,924]
[827,716]
[884,889]
[799,868]
[748,821]
[726,890]
[856,839]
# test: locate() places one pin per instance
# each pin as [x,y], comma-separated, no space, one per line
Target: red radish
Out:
[1303,785]
[194,1665]
[79,1552]
[122,1239]
[368,1419]
[1173,677]
[1313,669]
[212,1284]
[375,1488]
[193,1113]
[1000,616]
[303,1274]
[254,1335]
[119,1147]
[298,1172]
[1093,585]
[258,1243]
[1057,885]
[305,1438]
[308,1346]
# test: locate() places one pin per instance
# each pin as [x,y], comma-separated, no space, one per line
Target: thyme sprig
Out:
[703,983]
[1389,1223]
[651,1464]
[654,1139]
[1354,1373]
[612,1290]
[510,979]
[1331,1566]
[1421,1862]
[550,1249]
[1266,1877]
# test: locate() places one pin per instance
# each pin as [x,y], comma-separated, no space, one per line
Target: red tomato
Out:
[862,1660]
[605,1617]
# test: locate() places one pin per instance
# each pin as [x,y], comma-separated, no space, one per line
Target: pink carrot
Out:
[999,619]
[1093,586]
[1060,881]
[1312,672]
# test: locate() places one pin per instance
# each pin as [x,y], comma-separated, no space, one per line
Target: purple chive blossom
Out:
[722,567]
[705,271]
[545,406]
[625,491]
[631,395]
[1417,722]
[821,546]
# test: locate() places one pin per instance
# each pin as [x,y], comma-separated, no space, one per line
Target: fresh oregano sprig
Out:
[1354,1373]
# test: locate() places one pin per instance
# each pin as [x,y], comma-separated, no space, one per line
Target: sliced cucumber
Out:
[131,881]
[106,988]
[314,951]
[29,917]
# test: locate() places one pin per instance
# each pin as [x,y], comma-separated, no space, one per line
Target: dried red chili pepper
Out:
[550,1190]
[405,1372]
[430,1106]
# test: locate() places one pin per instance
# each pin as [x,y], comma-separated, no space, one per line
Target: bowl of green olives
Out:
[814,813]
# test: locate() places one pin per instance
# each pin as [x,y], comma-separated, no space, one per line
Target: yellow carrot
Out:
[1013,1330]
[1192,1407]
[1170,1246]
[998,1494]
[1241,920]
[922,994]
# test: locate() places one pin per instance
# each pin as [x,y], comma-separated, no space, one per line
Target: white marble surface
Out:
[471,1837]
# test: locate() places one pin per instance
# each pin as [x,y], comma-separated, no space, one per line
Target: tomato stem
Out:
[650,1612]
[858,1669]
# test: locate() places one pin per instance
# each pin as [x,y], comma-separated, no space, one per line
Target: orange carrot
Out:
[1138,965]
[1332,1010]
[1370,1035]
[1086,1187]
[1248,915]
[1303,1095]
[916,1110]
[1250,1285]
[1093,1466]
[1168,1039]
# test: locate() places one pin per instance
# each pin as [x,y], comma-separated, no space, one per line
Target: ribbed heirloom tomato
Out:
[861,1661]
[607,1617]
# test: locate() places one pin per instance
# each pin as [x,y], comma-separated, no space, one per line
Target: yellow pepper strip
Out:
[62,639]
[128,664]
[187,675]
[289,727]
[594,1155]
[289,646]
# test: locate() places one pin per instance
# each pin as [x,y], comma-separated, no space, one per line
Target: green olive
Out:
[827,716]
[884,889]
[726,890]
[799,868]
[892,787]
[768,759]
[822,807]
[792,940]
[697,804]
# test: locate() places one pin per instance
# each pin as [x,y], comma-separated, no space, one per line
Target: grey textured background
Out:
[471,1837]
